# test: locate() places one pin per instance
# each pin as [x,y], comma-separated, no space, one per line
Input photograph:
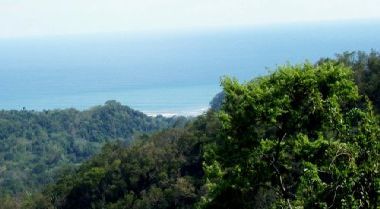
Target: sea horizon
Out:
[172,74]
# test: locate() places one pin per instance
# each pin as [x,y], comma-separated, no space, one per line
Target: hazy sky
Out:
[60,17]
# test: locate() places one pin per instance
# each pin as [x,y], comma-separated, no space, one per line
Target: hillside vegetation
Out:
[36,146]
[305,136]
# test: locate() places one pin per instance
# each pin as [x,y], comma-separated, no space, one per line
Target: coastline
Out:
[186,113]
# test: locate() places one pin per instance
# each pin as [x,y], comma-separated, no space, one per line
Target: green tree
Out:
[162,170]
[302,137]
[366,67]
[35,145]
[7,202]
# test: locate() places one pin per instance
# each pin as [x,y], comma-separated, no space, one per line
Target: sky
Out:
[25,18]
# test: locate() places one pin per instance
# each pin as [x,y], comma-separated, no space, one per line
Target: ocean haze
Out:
[161,73]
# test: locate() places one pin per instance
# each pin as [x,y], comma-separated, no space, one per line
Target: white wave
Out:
[173,113]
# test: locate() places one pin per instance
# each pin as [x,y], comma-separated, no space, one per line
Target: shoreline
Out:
[185,113]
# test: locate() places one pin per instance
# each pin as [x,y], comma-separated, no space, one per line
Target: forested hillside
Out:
[304,136]
[35,146]
[163,170]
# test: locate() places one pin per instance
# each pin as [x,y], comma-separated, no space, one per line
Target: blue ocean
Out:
[161,73]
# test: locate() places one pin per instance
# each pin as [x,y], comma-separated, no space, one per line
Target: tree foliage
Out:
[35,146]
[366,67]
[302,137]
[163,170]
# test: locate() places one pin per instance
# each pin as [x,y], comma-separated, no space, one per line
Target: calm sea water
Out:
[161,73]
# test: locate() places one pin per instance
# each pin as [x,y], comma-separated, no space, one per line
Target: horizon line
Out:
[195,30]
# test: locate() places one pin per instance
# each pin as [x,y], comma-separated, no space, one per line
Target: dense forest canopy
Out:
[301,137]
[163,170]
[305,136]
[35,146]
